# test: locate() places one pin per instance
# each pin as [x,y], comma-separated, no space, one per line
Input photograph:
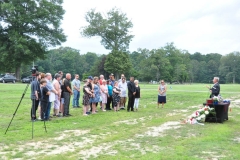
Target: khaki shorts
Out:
[123,100]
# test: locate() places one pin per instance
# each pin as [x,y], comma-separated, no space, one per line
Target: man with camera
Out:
[35,95]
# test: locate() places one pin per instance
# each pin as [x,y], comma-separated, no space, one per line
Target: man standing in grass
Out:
[131,94]
[35,95]
[76,91]
[48,78]
[67,92]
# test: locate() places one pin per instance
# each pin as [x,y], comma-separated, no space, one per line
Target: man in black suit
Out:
[215,90]
[131,93]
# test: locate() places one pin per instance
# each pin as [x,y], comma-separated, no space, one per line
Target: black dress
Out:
[86,96]
[116,97]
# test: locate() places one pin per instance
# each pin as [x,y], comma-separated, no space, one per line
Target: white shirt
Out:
[123,88]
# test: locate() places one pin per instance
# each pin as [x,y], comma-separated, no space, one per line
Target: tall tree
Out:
[229,68]
[113,29]
[27,29]
[118,63]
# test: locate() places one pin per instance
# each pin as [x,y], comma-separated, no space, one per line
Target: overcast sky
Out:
[205,26]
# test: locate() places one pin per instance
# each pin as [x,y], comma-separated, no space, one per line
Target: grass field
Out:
[150,133]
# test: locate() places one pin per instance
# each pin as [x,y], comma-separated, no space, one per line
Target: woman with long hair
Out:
[104,94]
[96,94]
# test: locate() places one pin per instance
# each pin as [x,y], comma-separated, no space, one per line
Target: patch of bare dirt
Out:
[159,131]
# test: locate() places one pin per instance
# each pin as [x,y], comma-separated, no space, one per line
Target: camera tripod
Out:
[32,110]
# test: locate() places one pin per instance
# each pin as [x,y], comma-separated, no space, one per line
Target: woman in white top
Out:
[162,89]
[104,94]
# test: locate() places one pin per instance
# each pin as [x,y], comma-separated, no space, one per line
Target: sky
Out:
[205,26]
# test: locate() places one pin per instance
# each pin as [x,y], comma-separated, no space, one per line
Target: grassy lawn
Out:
[150,133]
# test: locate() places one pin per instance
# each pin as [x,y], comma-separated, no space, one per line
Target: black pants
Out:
[66,96]
[131,99]
[109,101]
[43,109]
[34,108]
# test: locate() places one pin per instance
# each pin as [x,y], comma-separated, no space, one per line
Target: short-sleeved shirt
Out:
[90,86]
[44,96]
[112,82]
[76,83]
[35,86]
[110,90]
[100,81]
[66,84]
[49,85]
[123,87]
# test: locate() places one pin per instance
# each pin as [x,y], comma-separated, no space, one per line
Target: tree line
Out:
[169,63]
[28,28]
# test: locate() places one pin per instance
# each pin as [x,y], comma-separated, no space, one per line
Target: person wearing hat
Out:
[112,80]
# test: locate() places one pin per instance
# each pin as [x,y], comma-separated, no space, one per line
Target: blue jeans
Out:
[47,115]
[76,96]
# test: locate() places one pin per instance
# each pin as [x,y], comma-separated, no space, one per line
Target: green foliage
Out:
[67,60]
[27,29]
[117,62]
[112,29]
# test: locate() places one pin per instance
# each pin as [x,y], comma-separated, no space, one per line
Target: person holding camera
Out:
[35,95]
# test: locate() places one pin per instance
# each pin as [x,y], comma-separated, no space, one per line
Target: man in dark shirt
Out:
[67,92]
[131,94]
[44,98]
[35,95]
[215,90]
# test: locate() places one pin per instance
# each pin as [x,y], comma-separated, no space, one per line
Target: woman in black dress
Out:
[116,96]
[86,97]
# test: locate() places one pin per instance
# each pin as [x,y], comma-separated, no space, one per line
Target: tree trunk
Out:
[17,72]
[233,78]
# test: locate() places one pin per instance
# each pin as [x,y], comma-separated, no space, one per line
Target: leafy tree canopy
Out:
[27,29]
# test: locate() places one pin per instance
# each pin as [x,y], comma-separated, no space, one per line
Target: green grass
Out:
[121,135]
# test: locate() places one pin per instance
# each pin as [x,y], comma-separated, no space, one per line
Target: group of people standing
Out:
[109,94]
[46,91]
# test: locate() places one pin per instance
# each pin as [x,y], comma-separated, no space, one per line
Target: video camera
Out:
[34,70]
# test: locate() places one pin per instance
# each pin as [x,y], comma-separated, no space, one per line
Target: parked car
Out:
[27,79]
[8,78]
